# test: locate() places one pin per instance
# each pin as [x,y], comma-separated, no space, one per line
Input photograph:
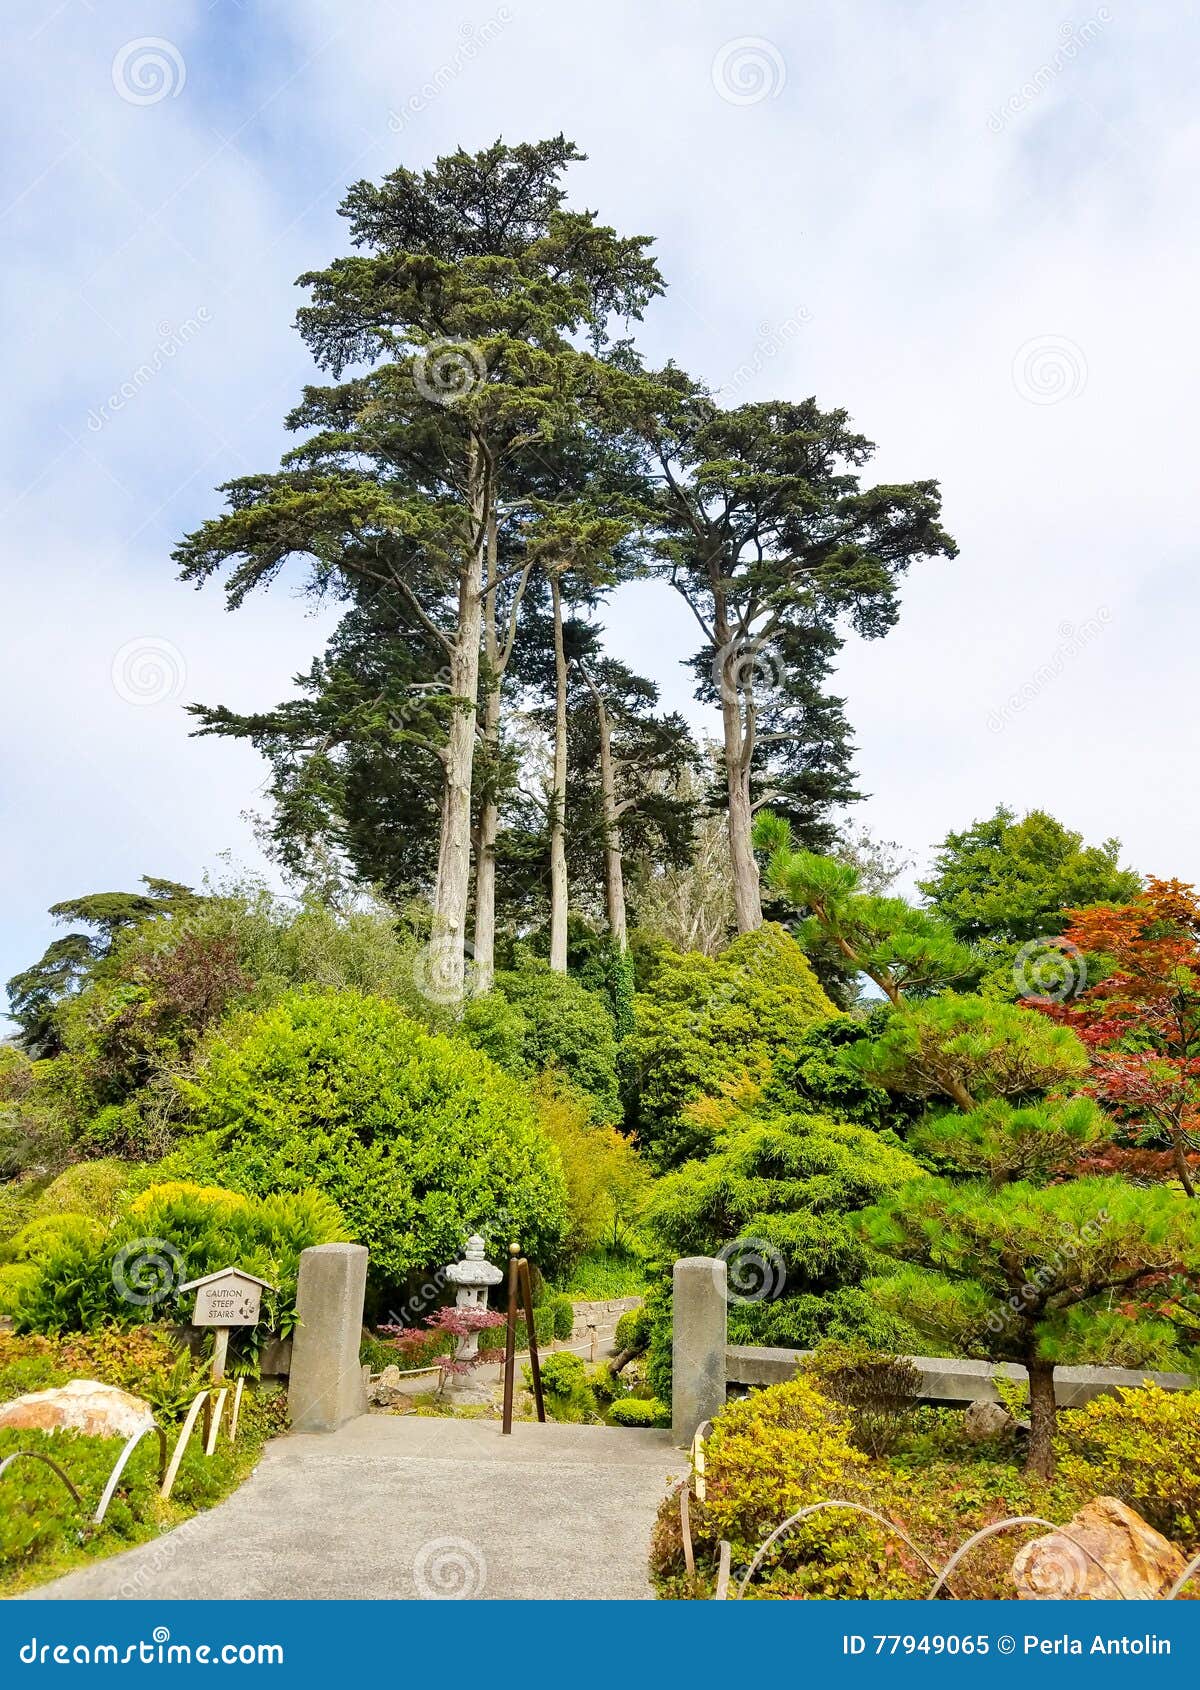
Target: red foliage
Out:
[1142,1020]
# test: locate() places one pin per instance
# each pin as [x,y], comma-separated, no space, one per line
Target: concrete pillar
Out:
[697,1344]
[325,1386]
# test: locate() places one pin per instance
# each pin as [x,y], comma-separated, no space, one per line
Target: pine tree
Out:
[1007,1256]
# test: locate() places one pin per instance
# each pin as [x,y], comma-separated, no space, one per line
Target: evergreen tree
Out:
[1007,1256]
[465,302]
[1005,884]
[905,951]
[775,546]
[68,963]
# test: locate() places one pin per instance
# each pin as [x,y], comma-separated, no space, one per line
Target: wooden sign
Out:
[227,1298]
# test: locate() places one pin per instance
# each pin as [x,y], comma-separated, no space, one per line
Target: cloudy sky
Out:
[975,228]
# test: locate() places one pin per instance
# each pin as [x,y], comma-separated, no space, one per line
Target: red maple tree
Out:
[1141,1022]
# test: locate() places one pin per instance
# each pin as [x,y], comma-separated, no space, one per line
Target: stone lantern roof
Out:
[474,1270]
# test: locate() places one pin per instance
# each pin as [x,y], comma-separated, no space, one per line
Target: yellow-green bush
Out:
[88,1275]
[87,1188]
[1143,1446]
[702,1023]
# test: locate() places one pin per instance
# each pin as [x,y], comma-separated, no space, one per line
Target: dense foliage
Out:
[702,1023]
[417,1138]
[796,1445]
[73,1273]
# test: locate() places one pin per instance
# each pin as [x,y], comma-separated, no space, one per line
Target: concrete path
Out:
[395,1506]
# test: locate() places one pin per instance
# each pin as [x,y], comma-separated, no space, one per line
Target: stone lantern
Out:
[472,1276]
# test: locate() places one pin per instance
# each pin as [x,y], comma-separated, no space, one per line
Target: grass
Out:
[44,1534]
[605,1273]
[43,1531]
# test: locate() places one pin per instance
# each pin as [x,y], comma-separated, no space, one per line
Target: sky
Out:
[973,228]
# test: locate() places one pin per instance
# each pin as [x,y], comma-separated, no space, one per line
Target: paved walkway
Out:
[395,1506]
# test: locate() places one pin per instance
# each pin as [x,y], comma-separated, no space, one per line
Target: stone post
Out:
[697,1344]
[325,1387]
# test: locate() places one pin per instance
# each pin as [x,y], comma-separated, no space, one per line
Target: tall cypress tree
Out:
[776,547]
[466,298]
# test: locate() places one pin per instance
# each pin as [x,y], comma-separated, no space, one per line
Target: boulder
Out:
[984,1420]
[84,1405]
[1105,1552]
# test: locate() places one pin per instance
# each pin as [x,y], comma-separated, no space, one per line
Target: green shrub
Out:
[417,1138]
[563,1312]
[812,1076]
[633,1330]
[599,1274]
[771,1454]
[779,1196]
[563,1028]
[606,1179]
[1142,1446]
[87,1188]
[851,1314]
[606,971]
[86,1275]
[639,1411]
[705,1023]
[493,1340]
[880,1390]
[573,1390]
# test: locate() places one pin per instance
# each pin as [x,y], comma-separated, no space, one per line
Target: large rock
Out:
[1105,1551]
[102,1411]
[984,1420]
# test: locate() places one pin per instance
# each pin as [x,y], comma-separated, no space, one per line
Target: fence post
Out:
[325,1387]
[698,1339]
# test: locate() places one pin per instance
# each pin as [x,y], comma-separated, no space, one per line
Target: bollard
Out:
[697,1344]
[325,1387]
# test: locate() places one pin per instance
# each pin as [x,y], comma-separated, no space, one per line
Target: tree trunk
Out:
[447,950]
[746,899]
[1181,1167]
[558,795]
[614,874]
[1043,1416]
[485,861]
[489,809]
